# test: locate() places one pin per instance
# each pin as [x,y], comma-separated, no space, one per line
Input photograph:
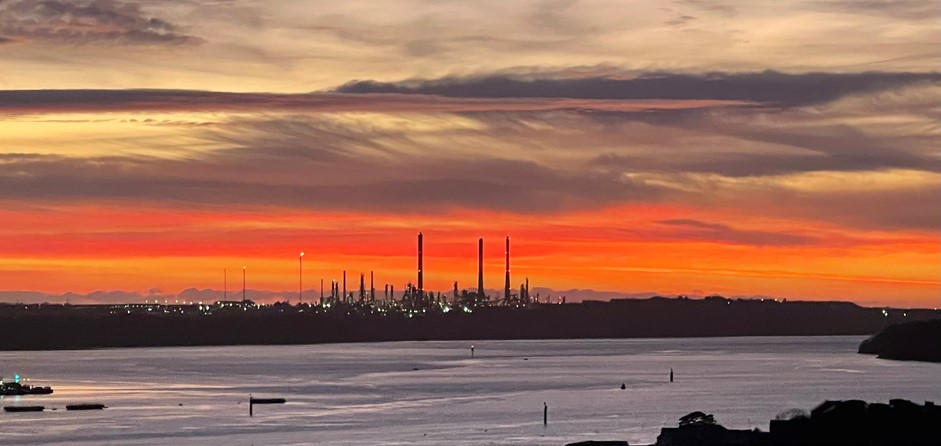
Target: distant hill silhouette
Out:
[76,326]
[913,341]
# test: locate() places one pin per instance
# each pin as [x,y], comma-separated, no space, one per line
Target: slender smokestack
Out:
[362,287]
[372,286]
[480,267]
[344,285]
[506,286]
[421,282]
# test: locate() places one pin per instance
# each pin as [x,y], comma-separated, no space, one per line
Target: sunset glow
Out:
[623,147]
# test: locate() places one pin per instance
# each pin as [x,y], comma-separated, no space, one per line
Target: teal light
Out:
[16,378]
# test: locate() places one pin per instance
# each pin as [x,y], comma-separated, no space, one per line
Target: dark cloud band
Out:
[80,101]
[764,87]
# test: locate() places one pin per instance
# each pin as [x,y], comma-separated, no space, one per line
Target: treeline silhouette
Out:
[628,318]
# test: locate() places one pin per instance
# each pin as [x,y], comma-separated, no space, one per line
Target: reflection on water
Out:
[433,393]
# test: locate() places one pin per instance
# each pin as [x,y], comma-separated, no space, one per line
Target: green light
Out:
[16,378]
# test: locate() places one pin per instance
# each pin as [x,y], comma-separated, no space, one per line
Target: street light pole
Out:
[243,284]
[300,278]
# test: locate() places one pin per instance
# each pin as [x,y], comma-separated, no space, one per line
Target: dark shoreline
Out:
[852,422]
[63,328]
[910,341]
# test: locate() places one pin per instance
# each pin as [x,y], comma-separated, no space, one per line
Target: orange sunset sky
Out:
[759,148]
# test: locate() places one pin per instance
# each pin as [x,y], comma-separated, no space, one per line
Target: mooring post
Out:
[472,351]
[545,414]
[250,403]
[671,374]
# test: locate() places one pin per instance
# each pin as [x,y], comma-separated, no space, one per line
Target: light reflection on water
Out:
[432,393]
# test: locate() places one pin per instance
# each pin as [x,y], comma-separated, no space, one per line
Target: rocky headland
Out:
[911,341]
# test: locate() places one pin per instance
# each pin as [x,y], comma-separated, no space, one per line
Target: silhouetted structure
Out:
[480,267]
[85,406]
[362,287]
[17,388]
[850,422]
[253,401]
[372,286]
[599,443]
[24,408]
[506,286]
[421,281]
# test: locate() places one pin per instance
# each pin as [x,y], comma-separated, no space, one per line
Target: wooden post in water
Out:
[250,403]
[545,414]
[671,374]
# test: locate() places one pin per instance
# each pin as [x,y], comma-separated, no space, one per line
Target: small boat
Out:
[24,408]
[17,389]
[85,406]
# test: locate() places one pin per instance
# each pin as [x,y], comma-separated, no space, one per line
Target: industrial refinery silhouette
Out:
[414,298]
[414,313]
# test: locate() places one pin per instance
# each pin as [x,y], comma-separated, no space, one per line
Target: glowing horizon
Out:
[735,148]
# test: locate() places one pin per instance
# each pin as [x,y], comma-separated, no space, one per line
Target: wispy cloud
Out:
[915,10]
[670,132]
[99,22]
[721,233]
[285,177]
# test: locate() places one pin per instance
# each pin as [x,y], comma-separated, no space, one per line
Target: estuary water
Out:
[433,393]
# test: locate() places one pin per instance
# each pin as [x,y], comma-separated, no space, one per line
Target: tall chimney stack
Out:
[421,282]
[372,286]
[480,267]
[506,287]
[344,286]
[362,287]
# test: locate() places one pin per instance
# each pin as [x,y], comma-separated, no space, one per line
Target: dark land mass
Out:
[851,422]
[910,341]
[56,327]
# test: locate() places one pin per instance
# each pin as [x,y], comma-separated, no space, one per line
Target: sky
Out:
[745,148]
